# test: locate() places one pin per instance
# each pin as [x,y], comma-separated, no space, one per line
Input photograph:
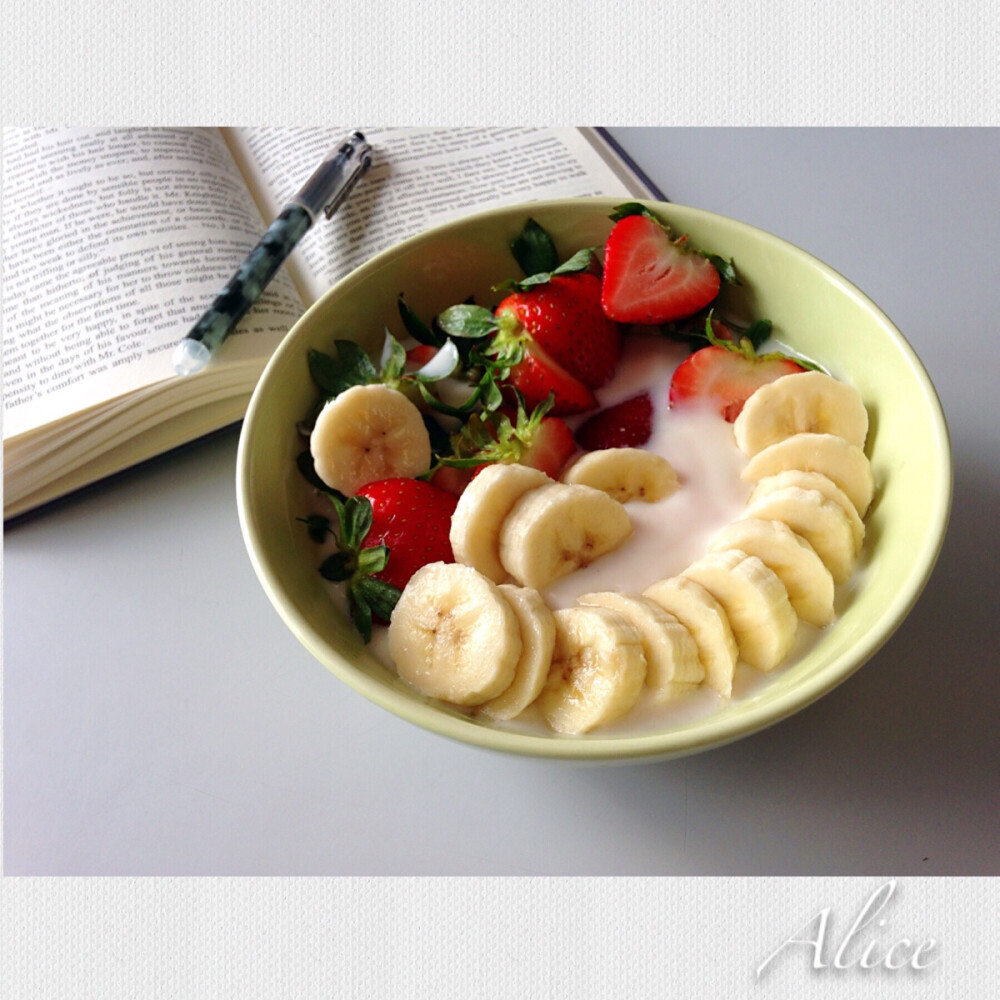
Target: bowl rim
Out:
[709,731]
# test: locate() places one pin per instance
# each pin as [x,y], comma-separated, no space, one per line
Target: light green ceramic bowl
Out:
[814,310]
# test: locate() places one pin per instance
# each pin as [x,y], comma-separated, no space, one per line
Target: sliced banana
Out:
[558,528]
[821,522]
[822,484]
[538,636]
[597,673]
[481,511]
[845,463]
[702,615]
[368,433]
[755,601]
[809,584]
[454,636]
[801,402]
[625,474]
[672,663]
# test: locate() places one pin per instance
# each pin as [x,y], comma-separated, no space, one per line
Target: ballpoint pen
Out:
[325,191]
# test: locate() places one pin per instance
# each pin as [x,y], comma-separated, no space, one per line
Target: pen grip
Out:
[253,275]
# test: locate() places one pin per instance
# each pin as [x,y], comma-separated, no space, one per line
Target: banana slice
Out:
[625,474]
[808,582]
[702,615]
[822,484]
[367,433]
[598,669]
[802,402]
[558,528]
[845,463]
[538,636]
[672,663]
[821,522]
[454,636]
[755,601]
[481,511]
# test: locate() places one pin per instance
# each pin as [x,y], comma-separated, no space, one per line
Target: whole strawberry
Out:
[564,317]
[383,534]
[537,376]
[550,336]
[412,519]
[510,435]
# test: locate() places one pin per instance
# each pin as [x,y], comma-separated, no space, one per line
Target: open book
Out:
[116,240]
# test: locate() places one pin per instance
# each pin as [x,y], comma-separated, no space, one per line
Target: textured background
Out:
[842,62]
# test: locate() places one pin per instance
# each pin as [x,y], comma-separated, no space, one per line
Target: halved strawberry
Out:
[651,278]
[628,424]
[726,377]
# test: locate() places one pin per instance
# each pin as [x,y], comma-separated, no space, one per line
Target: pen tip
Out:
[190,356]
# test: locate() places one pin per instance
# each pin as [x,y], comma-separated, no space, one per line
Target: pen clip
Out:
[358,169]
[334,178]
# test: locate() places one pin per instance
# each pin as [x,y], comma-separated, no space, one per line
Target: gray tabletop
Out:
[160,719]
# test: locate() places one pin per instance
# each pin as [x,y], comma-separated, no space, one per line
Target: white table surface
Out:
[159,718]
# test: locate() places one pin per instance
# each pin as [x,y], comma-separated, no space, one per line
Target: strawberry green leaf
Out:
[338,567]
[469,462]
[415,326]
[438,435]
[468,321]
[582,260]
[726,268]
[381,597]
[333,374]
[356,520]
[630,208]
[461,410]
[361,612]
[533,249]
[339,501]
[353,564]
[373,559]
[492,395]
[748,341]
[757,332]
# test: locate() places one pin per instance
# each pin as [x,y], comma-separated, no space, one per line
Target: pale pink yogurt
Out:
[667,536]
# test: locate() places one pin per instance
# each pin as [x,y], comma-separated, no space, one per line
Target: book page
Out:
[114,243]
[419,178]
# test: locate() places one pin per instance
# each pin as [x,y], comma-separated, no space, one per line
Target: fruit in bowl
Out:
[452,284]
